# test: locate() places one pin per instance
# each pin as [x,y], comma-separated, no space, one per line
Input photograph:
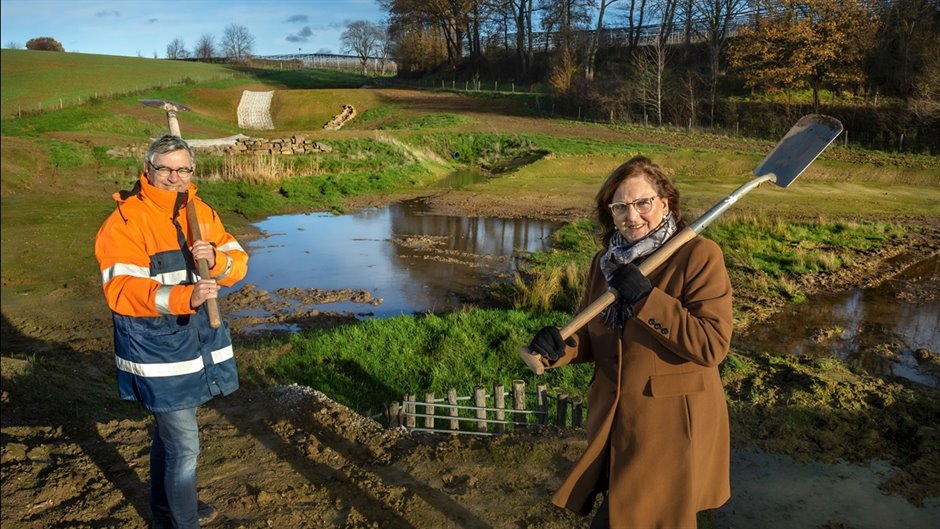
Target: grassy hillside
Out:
[35,80]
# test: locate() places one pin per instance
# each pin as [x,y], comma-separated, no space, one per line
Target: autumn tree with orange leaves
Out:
[797,44]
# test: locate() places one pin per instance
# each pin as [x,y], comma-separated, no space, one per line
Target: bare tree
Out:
[717,16]
[205,47]
[384,46]
[651,69]
[596,41]
[13,45]
[237,43]
[362,39]
[176,49]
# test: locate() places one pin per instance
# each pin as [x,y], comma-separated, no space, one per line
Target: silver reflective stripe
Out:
[229,246]
[169,369]
[228,267]
[172,278]
[162,300]
[123,269]
[223,354]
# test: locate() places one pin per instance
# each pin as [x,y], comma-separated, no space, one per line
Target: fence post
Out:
[518,403]
[541,399]
[499,402]
[845,138]
[410,411]
[577,410]
[479,400]
[429,410]
[452,400]
[561,418]
[394,415]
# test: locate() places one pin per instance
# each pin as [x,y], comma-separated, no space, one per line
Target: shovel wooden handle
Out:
[534,360]
[202,266]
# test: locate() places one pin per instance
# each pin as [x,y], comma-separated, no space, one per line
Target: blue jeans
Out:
[173,454]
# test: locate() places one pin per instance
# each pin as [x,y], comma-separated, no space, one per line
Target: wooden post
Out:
[410,411]
[561,411]
[394,415]
[518,403]
[541,403]
[452,400]
[429,410]
[479,400]
[499,400]
[577,413]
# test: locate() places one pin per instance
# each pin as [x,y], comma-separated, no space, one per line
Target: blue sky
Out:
[133,27]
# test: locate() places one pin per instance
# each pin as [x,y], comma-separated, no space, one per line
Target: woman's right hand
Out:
[548,343]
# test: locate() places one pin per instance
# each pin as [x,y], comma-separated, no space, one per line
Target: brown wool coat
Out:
[657,416]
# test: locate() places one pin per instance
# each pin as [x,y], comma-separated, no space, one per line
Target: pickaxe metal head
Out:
[171,109]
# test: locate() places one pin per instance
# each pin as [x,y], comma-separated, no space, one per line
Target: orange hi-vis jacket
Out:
[167,355]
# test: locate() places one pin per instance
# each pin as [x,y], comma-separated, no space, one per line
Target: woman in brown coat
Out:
[658,443]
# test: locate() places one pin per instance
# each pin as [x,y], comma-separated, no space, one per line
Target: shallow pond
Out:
[878,329]
[411,260]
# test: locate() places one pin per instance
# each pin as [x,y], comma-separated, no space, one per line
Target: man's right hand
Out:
[548,343]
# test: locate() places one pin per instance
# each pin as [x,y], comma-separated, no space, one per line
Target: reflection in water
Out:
[415,262]
[862,326]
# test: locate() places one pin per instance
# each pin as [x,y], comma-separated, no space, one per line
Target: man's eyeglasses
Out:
[164,172]
[643,205]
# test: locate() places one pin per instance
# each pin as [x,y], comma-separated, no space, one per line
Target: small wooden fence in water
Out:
[486,414]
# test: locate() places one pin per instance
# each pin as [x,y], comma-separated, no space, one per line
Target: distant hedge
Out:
[892,127]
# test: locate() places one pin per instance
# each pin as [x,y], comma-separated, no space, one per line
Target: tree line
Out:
[684,61]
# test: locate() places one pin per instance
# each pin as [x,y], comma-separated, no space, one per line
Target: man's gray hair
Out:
[166,144]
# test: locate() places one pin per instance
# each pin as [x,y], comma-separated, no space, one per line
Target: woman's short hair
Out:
[636,166]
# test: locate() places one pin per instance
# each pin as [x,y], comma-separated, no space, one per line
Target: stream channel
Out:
[412,261]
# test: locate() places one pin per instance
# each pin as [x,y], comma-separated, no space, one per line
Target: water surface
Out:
[415,261]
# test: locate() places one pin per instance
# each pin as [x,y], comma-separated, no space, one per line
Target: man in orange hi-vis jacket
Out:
[168,355]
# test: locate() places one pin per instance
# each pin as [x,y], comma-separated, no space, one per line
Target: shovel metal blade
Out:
[165,105]
[802,144]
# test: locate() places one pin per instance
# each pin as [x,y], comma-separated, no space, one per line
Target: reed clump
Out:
[263,169]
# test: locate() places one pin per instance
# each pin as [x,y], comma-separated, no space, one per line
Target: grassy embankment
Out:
[57,174]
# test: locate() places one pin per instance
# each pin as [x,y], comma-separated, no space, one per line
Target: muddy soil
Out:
[291,457]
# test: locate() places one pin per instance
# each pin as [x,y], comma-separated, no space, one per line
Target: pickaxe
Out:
[212,305]
[171,109]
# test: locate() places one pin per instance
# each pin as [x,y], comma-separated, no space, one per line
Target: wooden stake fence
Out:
[483,414]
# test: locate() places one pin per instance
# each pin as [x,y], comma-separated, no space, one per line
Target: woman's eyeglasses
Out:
[643,205]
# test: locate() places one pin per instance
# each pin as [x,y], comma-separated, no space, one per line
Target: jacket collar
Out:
[161,197]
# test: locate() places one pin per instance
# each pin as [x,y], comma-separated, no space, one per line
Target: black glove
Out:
[631,285]
[548,343]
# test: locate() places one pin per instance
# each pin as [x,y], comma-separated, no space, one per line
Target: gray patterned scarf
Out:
[621,252]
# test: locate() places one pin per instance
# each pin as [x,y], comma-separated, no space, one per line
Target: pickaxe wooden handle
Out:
[202,266]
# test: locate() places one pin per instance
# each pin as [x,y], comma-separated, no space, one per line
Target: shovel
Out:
[791,156]
[202,266]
